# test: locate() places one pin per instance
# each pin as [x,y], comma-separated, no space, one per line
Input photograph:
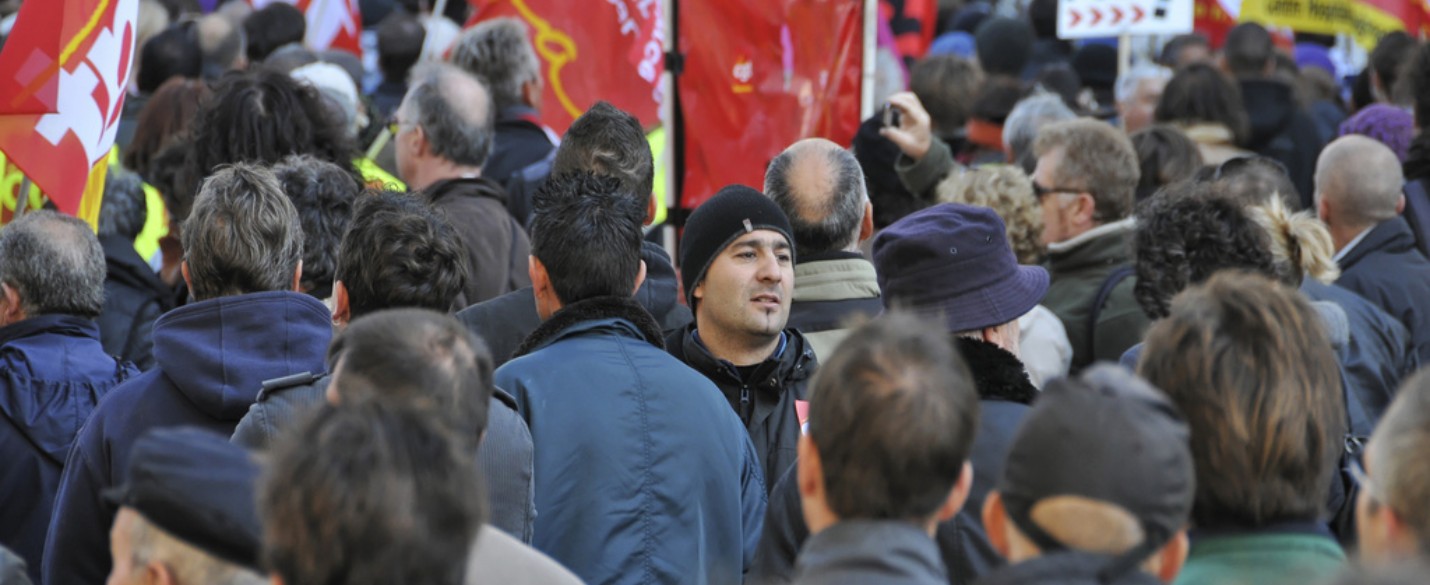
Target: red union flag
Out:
[332,24]
[591,50]
[62,78]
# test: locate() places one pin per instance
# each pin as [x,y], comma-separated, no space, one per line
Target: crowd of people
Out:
[1040,323]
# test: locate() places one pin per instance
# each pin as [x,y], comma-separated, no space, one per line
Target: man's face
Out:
[122,551]
[748,287]
[404,139]
[1137,111]
[1057,217]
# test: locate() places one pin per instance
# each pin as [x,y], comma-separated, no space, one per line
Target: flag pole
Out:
[441,9]
[23,198]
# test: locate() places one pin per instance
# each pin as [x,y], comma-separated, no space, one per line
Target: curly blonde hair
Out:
[1300,244]
[1006,190]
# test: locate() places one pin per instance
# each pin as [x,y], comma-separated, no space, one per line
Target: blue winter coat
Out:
[53,371]
[210,360]
[1389,271]
[643,473]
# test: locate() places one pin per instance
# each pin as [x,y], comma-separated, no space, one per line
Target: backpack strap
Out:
[1094,312]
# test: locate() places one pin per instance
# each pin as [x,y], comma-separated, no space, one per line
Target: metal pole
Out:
[22,199]
[441,8]
[871,34]
[1124,54]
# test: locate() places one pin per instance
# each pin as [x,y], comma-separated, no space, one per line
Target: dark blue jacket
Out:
[1389,271]
[210,359]
[52,373]
[1378,354]
[643,474]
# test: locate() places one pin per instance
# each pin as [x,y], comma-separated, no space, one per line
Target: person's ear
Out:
[1400,204]
[1172,556]
[536,271]
[188,281]
[995,523]
[1086,207]
[810,475]
[640,278]
[11,309]
[156,573]
[866,225]
[298,277]
[1323,208]
[531,92]
[275,579]
[650,209]
[958,495]
[342,310]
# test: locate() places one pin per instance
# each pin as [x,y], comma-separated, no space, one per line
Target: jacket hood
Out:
[218,352]
[53,373]
[1270,108]
[660,293]
[124,265]
[997,374]
[1064,568]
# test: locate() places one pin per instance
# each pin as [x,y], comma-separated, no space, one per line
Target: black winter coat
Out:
[1389,271]
[1005,392]
[134,297]
[766,407]
[497,247]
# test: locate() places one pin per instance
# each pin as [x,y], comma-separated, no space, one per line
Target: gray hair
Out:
[124,209]
[499,52]
[825,204]
[454,128]
[55,263]
[243,234]
[1027,118]
[1127,82]
[149,543]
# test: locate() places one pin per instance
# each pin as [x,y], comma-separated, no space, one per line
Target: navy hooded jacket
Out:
[53,372]
[643,473]
[210,360]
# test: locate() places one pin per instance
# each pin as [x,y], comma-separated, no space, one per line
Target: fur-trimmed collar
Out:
[997,374]
[593,309]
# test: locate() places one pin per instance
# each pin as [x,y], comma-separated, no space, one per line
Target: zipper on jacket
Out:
[745,403]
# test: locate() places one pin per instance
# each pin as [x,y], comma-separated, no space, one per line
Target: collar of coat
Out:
[794,365]
[997,374]
[593,309]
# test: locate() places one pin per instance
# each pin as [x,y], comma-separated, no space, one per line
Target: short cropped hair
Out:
[1185,235]
[399,251]
[892,415]
[1166,156]
[271,27]
[55,263]
[1201,94]
[824,212]
[1097,158]
[455,131]
[124,209]
[1249,363]
[171,53]
[188,564]
[369,494]
[418,359]
[399,45]
[608,141]
[1028,117]
[499,52]
[323,193]
[586,231]
[946,86]
[243,235]
[1247,49]
[1400,476]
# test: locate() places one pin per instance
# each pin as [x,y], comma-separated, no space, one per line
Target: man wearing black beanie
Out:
[737,265]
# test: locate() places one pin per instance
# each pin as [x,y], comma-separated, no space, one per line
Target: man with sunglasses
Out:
[1085,180]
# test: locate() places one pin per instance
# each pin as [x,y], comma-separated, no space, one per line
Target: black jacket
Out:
[497,246]
[1378,354]
[1282,130]
[520,141]
[134,297]
[1064,568]
[766,406]
[1389,271]
[1004,391]
[504,322]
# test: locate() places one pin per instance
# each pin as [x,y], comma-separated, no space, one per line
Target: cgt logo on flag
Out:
[65,70]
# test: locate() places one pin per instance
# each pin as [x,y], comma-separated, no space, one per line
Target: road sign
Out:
[1107,18]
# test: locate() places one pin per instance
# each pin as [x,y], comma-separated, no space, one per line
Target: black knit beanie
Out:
[733,212]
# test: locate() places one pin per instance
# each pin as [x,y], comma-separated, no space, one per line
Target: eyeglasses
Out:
[1040,191]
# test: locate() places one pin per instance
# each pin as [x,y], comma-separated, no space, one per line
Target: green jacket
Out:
[1279,558]
[1078,268]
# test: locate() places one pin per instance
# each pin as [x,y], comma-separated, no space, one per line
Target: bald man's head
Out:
[455,113]
[820,186]
[1358,182]
[222,45]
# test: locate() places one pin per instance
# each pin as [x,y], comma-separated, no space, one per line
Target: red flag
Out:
[332,24]
[62,75]
[608,50]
